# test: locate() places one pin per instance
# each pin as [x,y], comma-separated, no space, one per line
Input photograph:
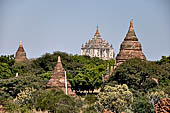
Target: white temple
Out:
[97,47]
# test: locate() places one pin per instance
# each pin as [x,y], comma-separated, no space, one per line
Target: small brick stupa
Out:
[58,79]
[163,106]
[20,54]
[130,47]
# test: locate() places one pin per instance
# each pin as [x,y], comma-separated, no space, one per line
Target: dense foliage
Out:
[17,80]
[148,81]
[135,85]
[84,73]
[141,75]
[12,86]
[81,70]
[164,60]
[117,99]
[6,69]
[142,105]
[88,78]
[53,101]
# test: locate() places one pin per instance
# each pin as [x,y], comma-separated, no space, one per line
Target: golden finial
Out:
[20,43]
[131,24]
[111,45]
[97,31]
[59,59]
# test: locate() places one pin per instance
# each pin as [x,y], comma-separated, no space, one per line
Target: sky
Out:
[46,26]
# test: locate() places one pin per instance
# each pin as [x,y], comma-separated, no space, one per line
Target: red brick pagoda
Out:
[130,47]
[20,54]
[58,79]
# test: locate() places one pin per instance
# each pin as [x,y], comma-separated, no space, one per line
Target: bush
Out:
[54,101]
[142,105]
[24,97]
[116,99]
[12,86]
[138,74]
[5,71]
[90,99]
[90,109]
[46,75]
[154,97]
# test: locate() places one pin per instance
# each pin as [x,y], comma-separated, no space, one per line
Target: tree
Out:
[89,106]
[8,59]
[46,75]
[5,71]
[24,97]
[154,97]
[117,99]
[6,63]
[90,99]
[139,75]
[48,61]
[9,88]
[141,104]
[54,101]
[165,81]
[88,78]
[84,72]
[164,60]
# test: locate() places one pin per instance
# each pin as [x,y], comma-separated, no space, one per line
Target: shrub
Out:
[142,105]
[54,101]
[116,99]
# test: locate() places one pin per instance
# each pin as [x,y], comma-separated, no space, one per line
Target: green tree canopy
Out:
[140,75]
[84,73]
[164,60]
[6,70]
[117,99]
[55,102]
[9,59]
[11,87]
[88,78]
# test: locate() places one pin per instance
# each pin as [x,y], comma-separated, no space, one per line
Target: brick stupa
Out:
[20,54]
[57,80]
[163,106]
[130,47]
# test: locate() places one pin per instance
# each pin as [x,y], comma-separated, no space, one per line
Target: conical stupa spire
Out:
[130,47]
[20,54]
[59,59]
[59,66]
[97,30]
[21,49]
[131,33]
[20,43]
[131,24]
[59,80]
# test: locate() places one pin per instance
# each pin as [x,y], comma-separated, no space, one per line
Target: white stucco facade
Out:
[97,47]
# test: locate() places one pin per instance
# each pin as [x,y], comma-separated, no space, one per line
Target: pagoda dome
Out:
[20,54]
[130,47]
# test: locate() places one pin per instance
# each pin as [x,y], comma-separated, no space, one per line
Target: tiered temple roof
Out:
[58,79]
[97,47]
[97,41]
[130,47]
[20,54]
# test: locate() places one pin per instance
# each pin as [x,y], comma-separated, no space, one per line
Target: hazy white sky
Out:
[64,25]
